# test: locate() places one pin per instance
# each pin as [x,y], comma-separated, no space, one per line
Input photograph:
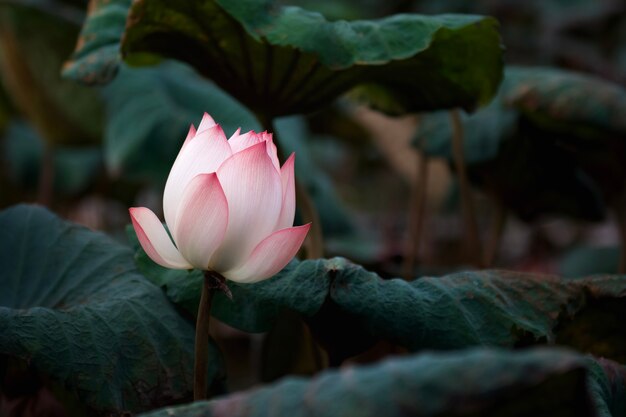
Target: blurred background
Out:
[90,152]
[538,193]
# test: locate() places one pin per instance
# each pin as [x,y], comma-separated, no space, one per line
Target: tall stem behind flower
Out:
[471,241]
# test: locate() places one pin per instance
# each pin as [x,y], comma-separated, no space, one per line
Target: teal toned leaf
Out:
[97,55]
[349,309]
[607,384]
[581,114]
[530,176]
[587,260]
[149,111]
[253,51]
[549,143]
[493,308]
[474,383]
[75,308]
[554,100]
[30,64]
[576,100]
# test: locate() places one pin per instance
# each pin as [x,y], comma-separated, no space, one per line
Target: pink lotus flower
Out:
[229,207]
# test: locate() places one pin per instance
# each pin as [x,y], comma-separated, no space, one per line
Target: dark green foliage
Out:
[30,64]
[75,308]
[75,168]
[470,383]
[149,111]
[349,309]
[294,136]
[252,50]
[97,56]
[568,125]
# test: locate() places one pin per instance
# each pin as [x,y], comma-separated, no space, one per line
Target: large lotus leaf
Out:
[494,308]
[30,64]
[75,308]
[285,60]
[575,100]
[349,308]
[538,382]
[498,152]
[557,101]
[582,115]
[539,156]
[149,111]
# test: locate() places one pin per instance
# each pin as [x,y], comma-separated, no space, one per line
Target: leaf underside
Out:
[285,60]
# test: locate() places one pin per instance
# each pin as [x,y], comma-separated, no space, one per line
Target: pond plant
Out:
[100,102]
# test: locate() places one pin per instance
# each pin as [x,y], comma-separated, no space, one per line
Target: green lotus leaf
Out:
[349,309]
[549,143]
[285,60]
[74,307]
[475,382]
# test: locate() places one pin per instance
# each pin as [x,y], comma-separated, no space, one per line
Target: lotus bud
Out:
[229,207]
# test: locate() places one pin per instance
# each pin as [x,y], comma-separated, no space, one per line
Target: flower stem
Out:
[212,281]
[417,213]
[471,238]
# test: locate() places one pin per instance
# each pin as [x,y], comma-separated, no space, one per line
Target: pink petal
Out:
[288,209]
[254,193]
[201,220]
[206,123]
[270,256]
[234,135]
[190,135]
[155,240]
[272,152]
[240,142]
[202,155]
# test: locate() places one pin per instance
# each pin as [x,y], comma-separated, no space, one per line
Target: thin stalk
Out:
[314,242]
[471,241]
[46,176]
[417,210]
[495,233]
[212,281]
